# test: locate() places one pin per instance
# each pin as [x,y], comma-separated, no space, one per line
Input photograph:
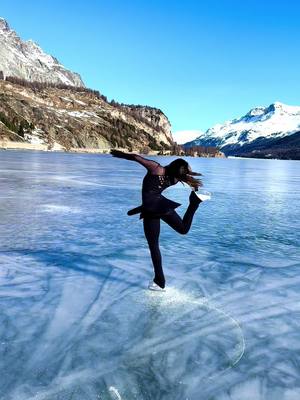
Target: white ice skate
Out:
[153,286]
[203,195]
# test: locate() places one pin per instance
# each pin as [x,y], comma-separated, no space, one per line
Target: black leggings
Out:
[152,230]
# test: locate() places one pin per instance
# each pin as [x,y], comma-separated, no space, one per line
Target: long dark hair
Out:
[181,170]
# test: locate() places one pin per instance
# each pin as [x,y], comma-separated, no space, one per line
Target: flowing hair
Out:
[180,169]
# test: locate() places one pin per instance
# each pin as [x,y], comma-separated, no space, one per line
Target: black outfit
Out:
[155,207]
[153,202]
[152,230]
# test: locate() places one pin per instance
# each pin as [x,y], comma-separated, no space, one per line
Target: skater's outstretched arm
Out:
[152,166]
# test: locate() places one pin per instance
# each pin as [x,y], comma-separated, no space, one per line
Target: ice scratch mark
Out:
[174,297]
[114,392]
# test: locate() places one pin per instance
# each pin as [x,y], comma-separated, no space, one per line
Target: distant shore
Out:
[11,145]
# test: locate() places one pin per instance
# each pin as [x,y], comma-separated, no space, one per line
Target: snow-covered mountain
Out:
[26,60]
[259,128]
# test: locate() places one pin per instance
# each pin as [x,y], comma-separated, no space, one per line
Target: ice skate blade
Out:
[153,286]
[204,197]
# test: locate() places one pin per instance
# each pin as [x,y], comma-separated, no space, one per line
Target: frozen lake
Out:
[77,321]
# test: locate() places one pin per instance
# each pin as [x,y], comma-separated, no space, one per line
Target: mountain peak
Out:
[277,106]
[261,123]
[274,108]
[27,60]
[4,25]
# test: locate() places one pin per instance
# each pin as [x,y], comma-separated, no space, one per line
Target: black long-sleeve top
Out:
[155,182]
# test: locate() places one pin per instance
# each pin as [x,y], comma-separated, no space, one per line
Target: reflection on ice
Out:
[56,208]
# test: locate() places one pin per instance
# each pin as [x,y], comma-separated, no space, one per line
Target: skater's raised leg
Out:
[183,225]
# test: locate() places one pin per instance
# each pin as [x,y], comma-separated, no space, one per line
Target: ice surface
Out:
[77,321]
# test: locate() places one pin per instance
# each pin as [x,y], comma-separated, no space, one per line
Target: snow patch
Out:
[35,136]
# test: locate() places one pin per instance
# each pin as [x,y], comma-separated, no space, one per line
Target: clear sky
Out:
[201,62]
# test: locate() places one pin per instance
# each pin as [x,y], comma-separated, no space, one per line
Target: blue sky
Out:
[201,62]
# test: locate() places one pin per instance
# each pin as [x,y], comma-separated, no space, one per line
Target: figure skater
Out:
[155,206]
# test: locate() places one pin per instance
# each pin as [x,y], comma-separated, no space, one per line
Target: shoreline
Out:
[10,145]
[57,148]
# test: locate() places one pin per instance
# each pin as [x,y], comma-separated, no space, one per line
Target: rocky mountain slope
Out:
[266,132]
[43,103]
[26,60]
[71,118]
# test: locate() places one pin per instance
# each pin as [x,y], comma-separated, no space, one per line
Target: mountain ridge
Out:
[70,117]
[43,103]
[260,125]
[27,60]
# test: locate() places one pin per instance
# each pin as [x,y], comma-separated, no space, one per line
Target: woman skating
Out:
[155,206]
